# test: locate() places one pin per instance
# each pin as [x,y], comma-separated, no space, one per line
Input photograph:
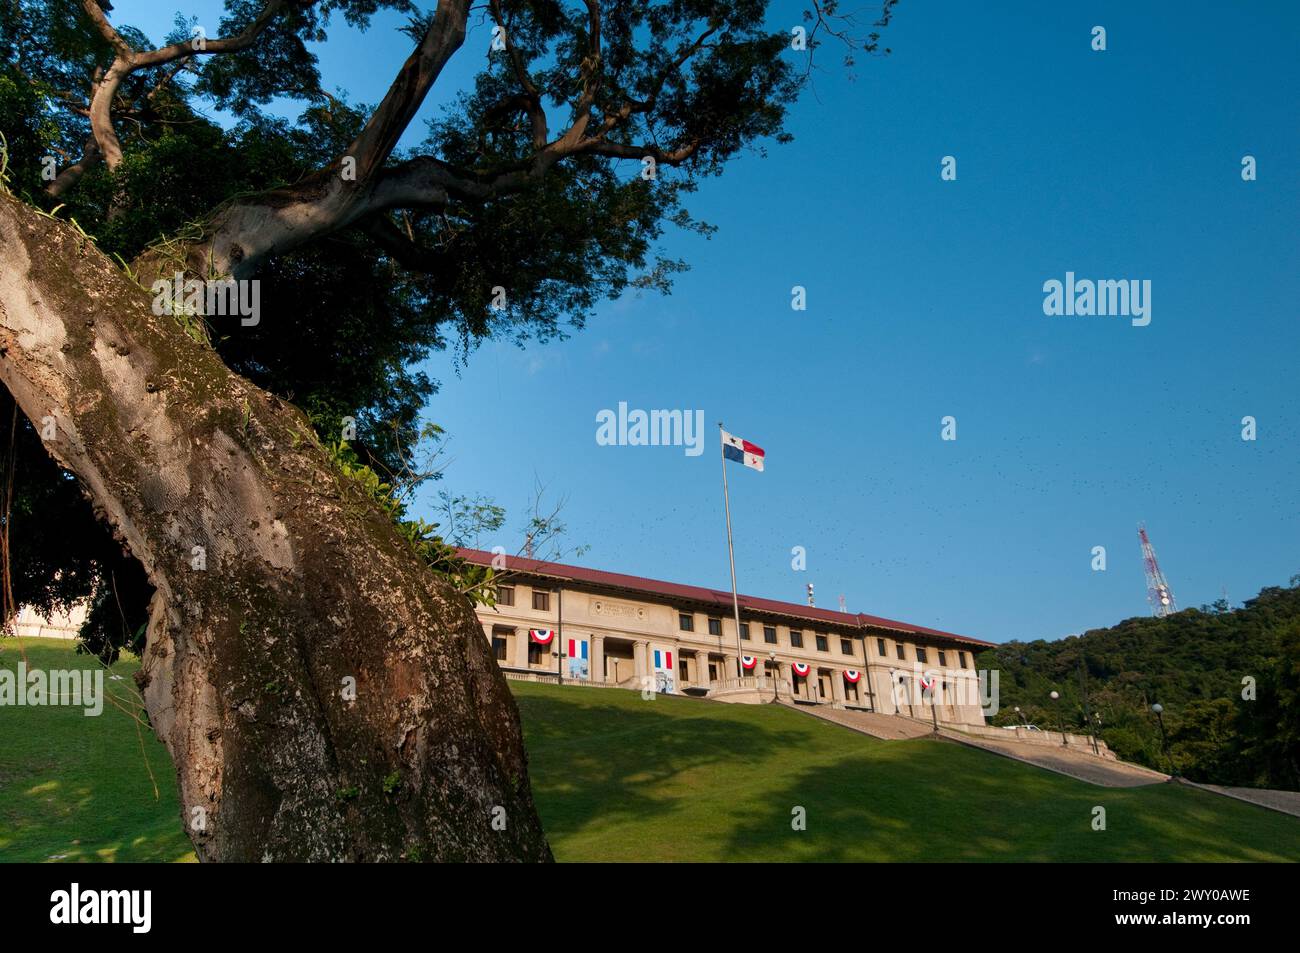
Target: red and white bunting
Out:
[801,669]
[927,682]
[542,636]
[851,675]
[748,661]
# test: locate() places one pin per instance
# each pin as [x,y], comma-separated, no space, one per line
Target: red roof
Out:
[677,591]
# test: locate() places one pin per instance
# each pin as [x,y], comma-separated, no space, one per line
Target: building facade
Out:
[571,623]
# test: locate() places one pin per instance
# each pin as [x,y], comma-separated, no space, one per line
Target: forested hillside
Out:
[1227,679]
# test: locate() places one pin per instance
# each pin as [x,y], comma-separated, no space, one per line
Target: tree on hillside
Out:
[1196,664]
[323,693]
[1268,728]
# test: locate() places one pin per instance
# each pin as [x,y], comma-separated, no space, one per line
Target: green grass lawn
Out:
[79,788]
[622,779]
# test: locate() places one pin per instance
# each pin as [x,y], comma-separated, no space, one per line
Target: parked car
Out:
[1026,727]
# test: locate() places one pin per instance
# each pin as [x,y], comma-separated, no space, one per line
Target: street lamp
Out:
[1164,739]
[1020,716]
[1060,720]
[776,678]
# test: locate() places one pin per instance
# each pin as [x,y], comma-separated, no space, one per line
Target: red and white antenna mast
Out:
[1159,594]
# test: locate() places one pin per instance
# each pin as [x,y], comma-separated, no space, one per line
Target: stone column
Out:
[730,666]
[640,662]
[521,648]
[702,669]
[597,661]
[784,674]
[837,685]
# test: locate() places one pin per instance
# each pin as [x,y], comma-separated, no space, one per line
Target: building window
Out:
[846,647]
[499,648]
[534,653]
[744,631]
[715,627]
[681,668]
[769,634]
[822,645]
[943,658]
[541,600]
[900,651]
[713,672]
[796,639]
[921,656]
[505,595]
[962,656]
[880,647]
[686,622]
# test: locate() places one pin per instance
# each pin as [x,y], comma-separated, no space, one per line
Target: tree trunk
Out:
[307,589]
[244,234]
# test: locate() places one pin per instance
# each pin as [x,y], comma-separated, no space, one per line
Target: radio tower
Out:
[1159,594]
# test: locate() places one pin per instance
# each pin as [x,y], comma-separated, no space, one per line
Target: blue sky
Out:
[925,300]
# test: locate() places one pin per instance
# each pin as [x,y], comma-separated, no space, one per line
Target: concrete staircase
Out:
[885,727]
[1077,763]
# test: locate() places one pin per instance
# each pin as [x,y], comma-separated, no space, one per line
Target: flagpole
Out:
[731,556]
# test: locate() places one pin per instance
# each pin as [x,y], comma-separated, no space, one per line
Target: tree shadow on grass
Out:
[77,788]
[597,763]
[951,804]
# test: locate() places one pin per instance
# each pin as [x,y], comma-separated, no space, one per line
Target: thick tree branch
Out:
[210,47]
[72,174]
[377,140]
[126,61]
[401,248]
[424,182]
[532,98]
[101,111]
[96,14]
[661,156]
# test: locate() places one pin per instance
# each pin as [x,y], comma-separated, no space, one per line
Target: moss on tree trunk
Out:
[307,590]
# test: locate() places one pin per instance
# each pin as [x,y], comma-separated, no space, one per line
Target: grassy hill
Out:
[620,778]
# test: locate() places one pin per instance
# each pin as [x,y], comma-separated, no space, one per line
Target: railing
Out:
[735,684]
[633,683]
[780,688]
[766,688]
[515,675]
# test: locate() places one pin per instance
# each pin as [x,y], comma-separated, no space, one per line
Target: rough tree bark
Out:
[307,584]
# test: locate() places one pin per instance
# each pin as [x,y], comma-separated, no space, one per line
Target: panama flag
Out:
[751,455]
[542,636]
[801,669]
[851,675]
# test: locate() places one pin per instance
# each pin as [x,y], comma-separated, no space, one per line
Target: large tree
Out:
[326,693]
